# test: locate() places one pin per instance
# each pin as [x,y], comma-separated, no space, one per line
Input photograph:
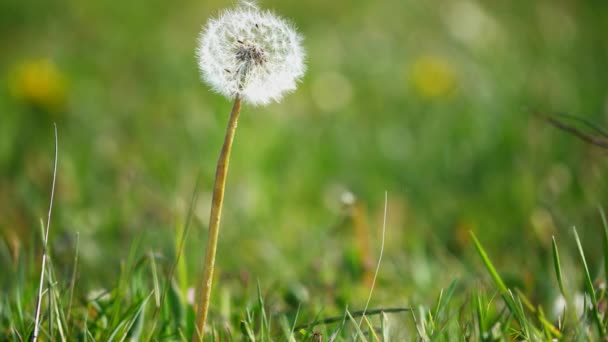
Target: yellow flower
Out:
[432,77]
[39,83]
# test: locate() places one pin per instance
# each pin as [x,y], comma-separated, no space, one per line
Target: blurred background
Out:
[432,101]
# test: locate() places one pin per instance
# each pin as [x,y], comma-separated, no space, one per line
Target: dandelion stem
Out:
[204,294]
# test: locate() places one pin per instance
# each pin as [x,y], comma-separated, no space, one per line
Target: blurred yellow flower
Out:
[432,77]
[39,83]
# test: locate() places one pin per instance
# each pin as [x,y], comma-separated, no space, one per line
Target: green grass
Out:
[144,305]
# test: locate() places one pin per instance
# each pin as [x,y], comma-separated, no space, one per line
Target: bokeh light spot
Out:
[331,91]
[39,83]
[432,77]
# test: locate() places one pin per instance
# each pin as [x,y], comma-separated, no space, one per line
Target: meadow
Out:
[416,120]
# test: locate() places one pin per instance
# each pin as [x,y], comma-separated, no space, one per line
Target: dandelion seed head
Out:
[251,53]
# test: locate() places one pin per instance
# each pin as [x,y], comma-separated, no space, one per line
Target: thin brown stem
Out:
[204,293]
[593,140]
[336,319]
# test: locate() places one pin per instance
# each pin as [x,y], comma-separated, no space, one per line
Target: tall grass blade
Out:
[558,268]
[73,279]
[371,329]
[359,333]
[386,333]
[45,242]
[295,320]
[247,331]
[338,330]
[336,319]
[157,294]
[589,285]
[513,304]
[445,300]
[489,266]
[55,300]
[605,235]
[264,324]
[371,290]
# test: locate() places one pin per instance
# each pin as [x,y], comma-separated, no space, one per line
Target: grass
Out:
[144,305]
[433,102]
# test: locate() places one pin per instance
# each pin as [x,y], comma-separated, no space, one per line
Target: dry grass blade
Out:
[369,298]
[336,319]
[46,239]
[593,140]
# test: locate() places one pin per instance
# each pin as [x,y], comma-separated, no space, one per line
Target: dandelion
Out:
[39,83]
[250,54]
[247,55]
[433,77]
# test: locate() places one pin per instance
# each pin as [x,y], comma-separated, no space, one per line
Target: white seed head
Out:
[251,53]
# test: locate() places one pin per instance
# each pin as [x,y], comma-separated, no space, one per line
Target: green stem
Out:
[204,293]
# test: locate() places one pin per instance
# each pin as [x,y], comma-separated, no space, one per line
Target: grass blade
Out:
[73,278]
[336,319]
[445,300]
[514,305]
[264,324]
[605,231]
[128,319]
[155,281]
[489,266]
[45,242]
[295,320]
[247,331]
[372,331]
[558,268]
[386,333]
[338,330]
[371,290]
[589,285]
[359,333]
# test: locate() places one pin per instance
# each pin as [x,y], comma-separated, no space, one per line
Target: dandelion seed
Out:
[251,53]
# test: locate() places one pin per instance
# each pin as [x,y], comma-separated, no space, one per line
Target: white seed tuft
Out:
[251,53]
